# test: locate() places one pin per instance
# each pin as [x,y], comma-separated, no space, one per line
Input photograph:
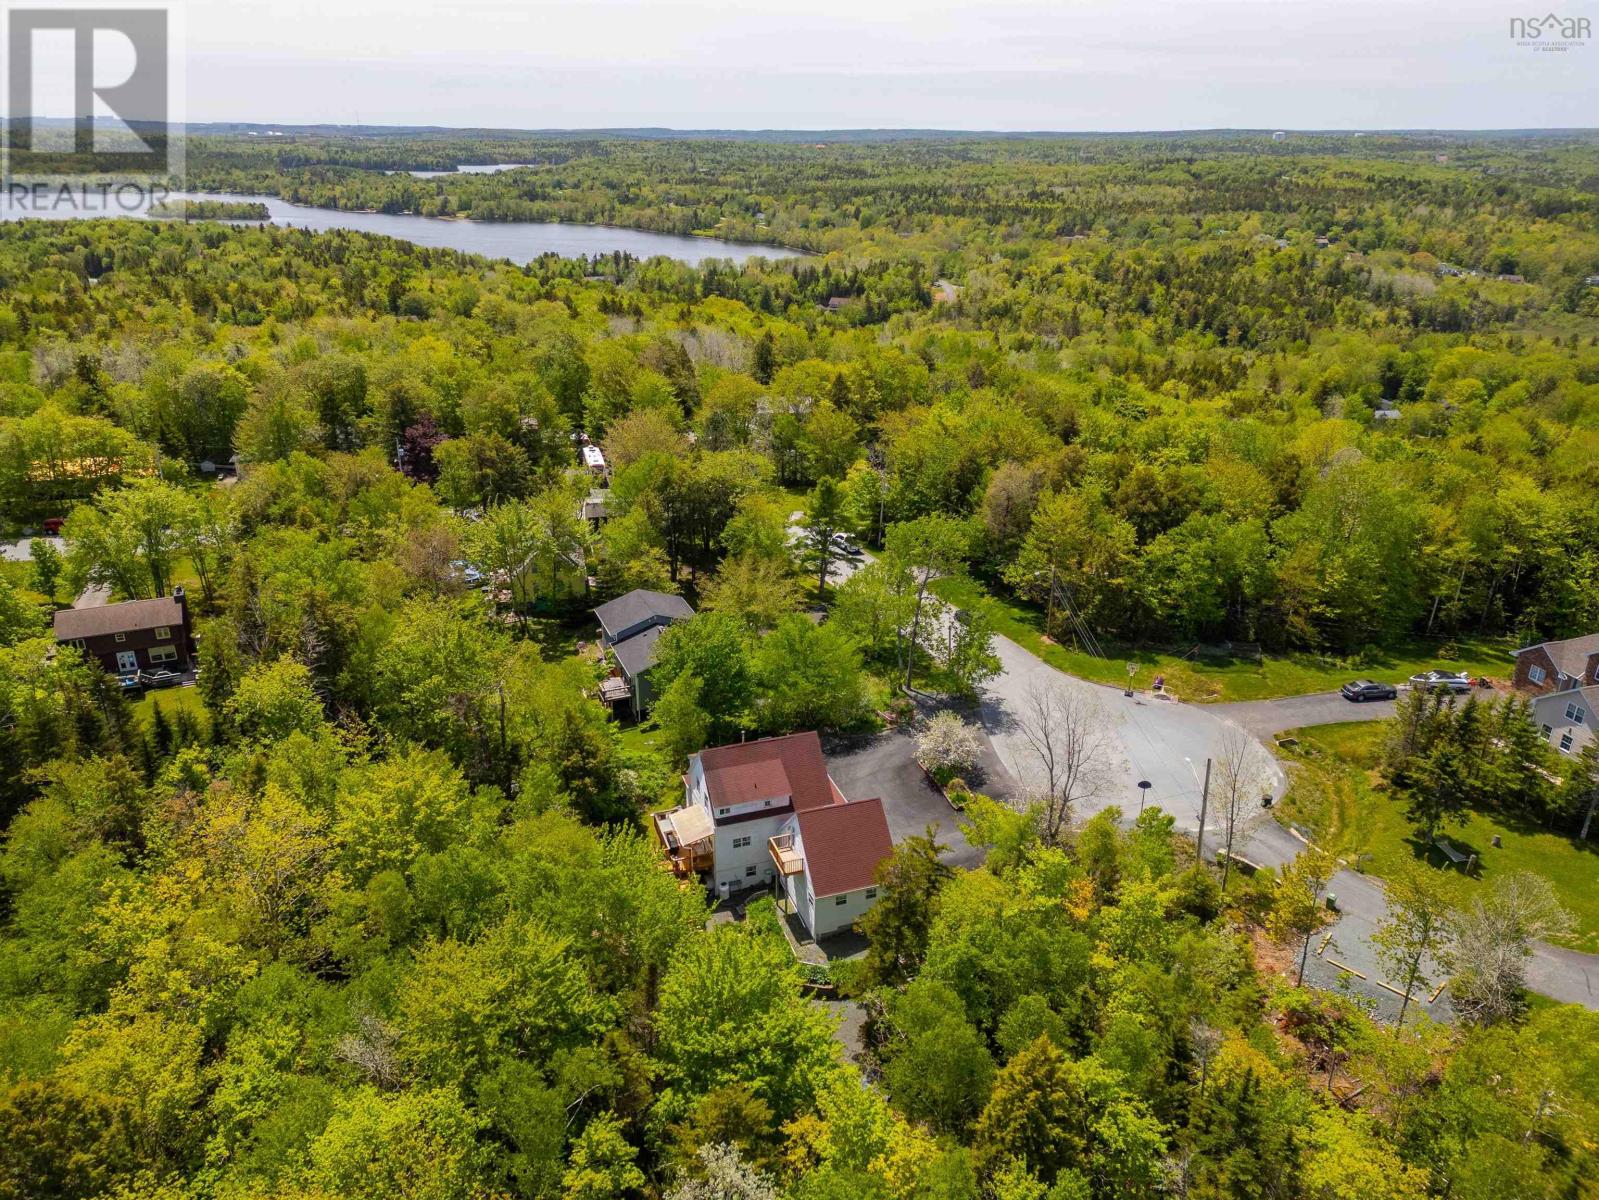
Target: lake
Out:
[519,241]
[468,169]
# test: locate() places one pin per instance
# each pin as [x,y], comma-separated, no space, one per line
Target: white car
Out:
[468,573]
[1441,681]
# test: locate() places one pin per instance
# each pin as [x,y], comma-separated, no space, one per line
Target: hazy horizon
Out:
[1022,66]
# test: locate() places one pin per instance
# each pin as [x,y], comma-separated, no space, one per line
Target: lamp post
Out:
[1204,805]
[1132,670]
[1143,794]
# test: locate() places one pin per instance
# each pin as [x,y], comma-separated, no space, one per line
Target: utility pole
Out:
[1204,805]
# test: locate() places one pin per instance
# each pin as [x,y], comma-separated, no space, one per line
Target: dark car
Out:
[160,679]
[1441,681]
[1364,689]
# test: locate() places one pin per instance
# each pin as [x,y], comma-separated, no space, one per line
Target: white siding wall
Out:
[794,890]
[828,916]
[731,861]
[1550,710]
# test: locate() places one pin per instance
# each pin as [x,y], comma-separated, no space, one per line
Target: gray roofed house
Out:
[132,637]
[595,510]
[637,610]
[637,654]
[630,626]
[1557,666]
[127,617]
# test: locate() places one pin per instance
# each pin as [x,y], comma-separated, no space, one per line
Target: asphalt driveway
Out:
[1163,742]
[885,766]
[1156,740]
[1265,718]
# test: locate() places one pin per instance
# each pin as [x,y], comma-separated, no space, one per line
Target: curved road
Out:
[1263,718]
[1166,743]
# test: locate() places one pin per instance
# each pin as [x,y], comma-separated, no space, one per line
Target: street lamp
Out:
[1143,794]
[1204,805]
[1132,669]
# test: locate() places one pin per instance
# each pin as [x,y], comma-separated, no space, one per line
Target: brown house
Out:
[1557,666]
[139,635]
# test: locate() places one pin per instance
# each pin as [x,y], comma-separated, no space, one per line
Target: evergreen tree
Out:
[1037,1114]
[897,926]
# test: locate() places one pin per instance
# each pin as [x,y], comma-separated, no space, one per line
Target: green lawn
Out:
[20,576]
[637,739]
[1223,679]
[171,701]
[798,498]
[558,637]
[1336,794]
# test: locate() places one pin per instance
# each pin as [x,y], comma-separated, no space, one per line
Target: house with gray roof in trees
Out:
[630,626]
[767,814]
[1548,667]
[133,637]
[1563,679]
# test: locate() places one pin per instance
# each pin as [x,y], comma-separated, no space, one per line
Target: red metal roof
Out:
[744,783]
[843,845]
[767,769]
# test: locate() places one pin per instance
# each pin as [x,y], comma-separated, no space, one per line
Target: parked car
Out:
[470,575]
[845,547]
[1360,690]
[160,679]
[1447,681]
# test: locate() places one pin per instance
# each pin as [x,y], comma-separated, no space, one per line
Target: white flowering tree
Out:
[948,747]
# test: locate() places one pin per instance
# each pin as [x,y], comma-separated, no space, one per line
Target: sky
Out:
[837,64]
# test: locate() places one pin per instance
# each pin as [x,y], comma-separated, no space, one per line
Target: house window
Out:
[1565,742]
[163,654]
[750,870]
[163,632]
[1575,712]
[871,893]
[740,842]
[121,637]
[840,899]
[1548,729]
[1535,675]
[77,643]
[721,812]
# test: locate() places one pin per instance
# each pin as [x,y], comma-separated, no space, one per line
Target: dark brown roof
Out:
[843,845]
[791,765]
[126,617]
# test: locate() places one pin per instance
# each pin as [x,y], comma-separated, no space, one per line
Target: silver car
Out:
[1441,681]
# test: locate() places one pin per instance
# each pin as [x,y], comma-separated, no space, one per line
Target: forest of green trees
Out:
[370,910]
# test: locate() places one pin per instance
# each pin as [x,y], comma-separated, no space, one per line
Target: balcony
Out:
[789,861]
[681,833]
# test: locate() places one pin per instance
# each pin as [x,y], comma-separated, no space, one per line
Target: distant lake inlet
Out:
[519,241]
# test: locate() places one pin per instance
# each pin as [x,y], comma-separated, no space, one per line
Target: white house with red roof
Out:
[766,813]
